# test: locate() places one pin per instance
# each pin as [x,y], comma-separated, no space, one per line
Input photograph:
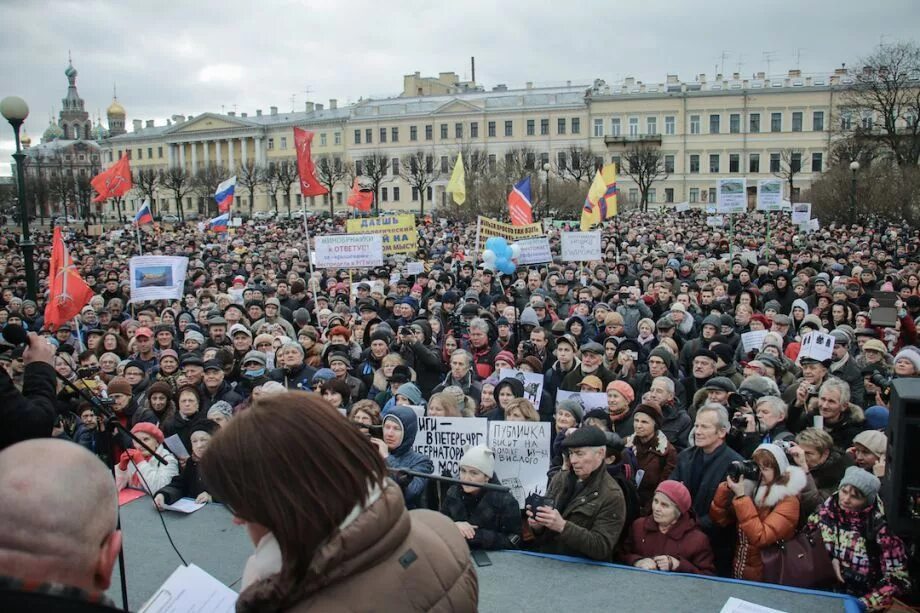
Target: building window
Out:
[110,156]
[651,125]
[734,123]
[817,161]
[530,159]
[338,198]
[576,125]
[444,166]
[633,195]
[846,121]
[712,194]
[776,122]
[493,162]
[560,125]
[714,162]
[634,126]
[867,122]
[714,121]
[615,160]
[774,162]
[322,140]
[694,124]
[413,133]
[443,131]
[368,136]
[271,144]
[669,164]
[337,139]
[474,129]
[560,160]
[359,167]
[817,121]
[394,135]
[755,123]
[652,195]
[509,128]
[140,154]
[414,194]
[384,194]
[598,127]
[669,194]
[531,127]
[394,167]
[429,132]
[754,163]
[149,153]
[160,153]
[491,127]
[669,125]
[544,127]
[395,194]
[795,162]
[694,163]
[458,130]
[797,121]
[383,135]
[694,194]
[615,126]
[734,162]
[544,159]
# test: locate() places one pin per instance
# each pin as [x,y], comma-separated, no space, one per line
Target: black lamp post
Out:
[854,167]
[15,110]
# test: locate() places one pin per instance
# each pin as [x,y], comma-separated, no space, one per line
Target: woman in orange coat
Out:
[765,508]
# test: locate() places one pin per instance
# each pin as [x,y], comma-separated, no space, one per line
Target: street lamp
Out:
[854,166]
[15,110]
[546,170]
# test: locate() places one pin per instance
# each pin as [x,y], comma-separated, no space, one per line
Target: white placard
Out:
[521,455]
[236,222]
[157,277]
[769,195]
[681,207]
[801,212]
[415,268]
[191,590]
[532,381]
[814,225]
[753,340]
[176,446]
[817,346]
[715,221]
[534,251]
[731,196]
[581,246]
[349,251]
[736,605]
[444,439]
[587,400]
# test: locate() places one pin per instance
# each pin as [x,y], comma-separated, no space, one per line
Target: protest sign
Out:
[731,196]
[444,439]
[533,383]
[581,246]
[681,207]
[534,251]
[398,233]
[349,251]
[587,400]
[814,225]
[521,455]
[801,212]
[491,227]
[817,346]
[236,222]
[715,221]
[157,277]
[753,341]
[769,194]
[415,268]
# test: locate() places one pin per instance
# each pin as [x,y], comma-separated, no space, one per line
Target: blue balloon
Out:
[493,242]
[506,266]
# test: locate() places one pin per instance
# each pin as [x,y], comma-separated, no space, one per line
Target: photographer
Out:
[632,310]
[413,345]
[30,413]
[761,419]
[800,396]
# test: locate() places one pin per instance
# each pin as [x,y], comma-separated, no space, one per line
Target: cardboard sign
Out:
[801,212]
[769,195]
[587,400]
[715,221]
[490,227]
[398,232]
[521,455]
[753,340]
[731,196]
[415,268]
[534,251]
[445,439]
[817,346]
[681,207]
[157,277]
[581,246]
[349,251]
[533,383]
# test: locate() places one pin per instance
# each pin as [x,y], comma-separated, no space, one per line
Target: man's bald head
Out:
[59,512]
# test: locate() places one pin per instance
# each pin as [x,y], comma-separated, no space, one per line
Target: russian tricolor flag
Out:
[219,223]
[224,194]
[519,205]
[143,216]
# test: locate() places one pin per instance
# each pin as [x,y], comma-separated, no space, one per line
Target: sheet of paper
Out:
[753,340]
[818,346]
[176,446]
[191,590]
[736,605]
[184,505]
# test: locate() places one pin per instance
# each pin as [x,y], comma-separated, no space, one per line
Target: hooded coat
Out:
[404,457]
[684,541]
[657,458]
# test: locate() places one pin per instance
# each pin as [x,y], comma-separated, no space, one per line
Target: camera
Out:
[786,446]
[371,431]
[87,372]
[624,295]
[740,422]
[746,469]
[528,348]
[536,500]
[880,380]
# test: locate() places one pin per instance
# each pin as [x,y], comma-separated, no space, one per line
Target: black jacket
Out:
[495,514]
[187,484]
[703,486]
[30,413]
[224,392]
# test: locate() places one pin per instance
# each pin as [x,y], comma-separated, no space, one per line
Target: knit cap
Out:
[862,480]
[873,440]
[479,457]
[677,493]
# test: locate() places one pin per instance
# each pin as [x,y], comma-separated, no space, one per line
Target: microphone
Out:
[14,334]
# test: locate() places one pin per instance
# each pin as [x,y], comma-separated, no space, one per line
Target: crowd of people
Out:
[709,451]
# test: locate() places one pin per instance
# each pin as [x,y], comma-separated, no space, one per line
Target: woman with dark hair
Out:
[112,342]
[344,545]
[188,415]
[337,393]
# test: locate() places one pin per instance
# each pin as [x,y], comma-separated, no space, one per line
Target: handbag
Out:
[802,561]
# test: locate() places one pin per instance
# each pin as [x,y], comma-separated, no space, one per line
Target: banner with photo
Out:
[532,382]
[769,195]
[801,212]
[587,400]
[398,232]
[731,196]
[157,277]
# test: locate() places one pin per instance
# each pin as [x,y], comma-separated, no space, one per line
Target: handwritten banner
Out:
[521,455]
[398,233]
[349,251]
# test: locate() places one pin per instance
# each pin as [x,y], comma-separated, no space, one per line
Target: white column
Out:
[181,154]
[219,148]
[194,147]
[207,153]
[171,155]
[260,155]
[243,154]
[230,155]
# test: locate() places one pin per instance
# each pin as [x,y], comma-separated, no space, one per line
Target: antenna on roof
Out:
[768,57]
[293,102]
[114,91]
[798,57]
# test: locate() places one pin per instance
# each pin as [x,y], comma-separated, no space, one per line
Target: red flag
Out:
[68,292]
[309,186]
[114,182]
[360,199]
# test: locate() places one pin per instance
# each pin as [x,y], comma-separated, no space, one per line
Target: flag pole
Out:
[312,281]
[767,244]
[137,231]
[478,235]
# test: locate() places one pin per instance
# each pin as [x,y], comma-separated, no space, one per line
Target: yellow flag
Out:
[601,201]
[456,187]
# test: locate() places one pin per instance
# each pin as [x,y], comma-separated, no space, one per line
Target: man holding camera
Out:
[844,367]
[758,420]
[632,309]
[30,413]
[800,395]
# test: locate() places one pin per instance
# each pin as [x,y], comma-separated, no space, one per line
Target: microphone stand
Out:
[486,486]
[102,411]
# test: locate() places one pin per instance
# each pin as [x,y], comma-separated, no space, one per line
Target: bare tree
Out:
[251,176]
[579,165]
[272,185]
[84,194]
[38,190]
[376,166]
[61,187]
[179,182]
[330,171]
[287,177]
[206,182]
[887,92]
[644,165]
[145,182]
[790,166]
[420,172]
[518,162]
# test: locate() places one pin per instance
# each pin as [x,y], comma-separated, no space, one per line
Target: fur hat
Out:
[653,411]
[911,354]
[221,407]
[677,493]
[481,458]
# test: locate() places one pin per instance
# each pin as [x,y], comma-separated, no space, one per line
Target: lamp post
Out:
[854,167]
[546,170]
[15,110]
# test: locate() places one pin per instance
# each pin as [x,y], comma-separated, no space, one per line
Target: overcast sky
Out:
[191,57]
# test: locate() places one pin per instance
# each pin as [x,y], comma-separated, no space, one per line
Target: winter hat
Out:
[505,356]
[812,320]
[119,385]
[625,390]
[411,392]
[529,317]
[653,411]
[381,335]
[221,407]
[168,353]
[270,388]
[873,440]
[724,352]
[481,458]
[713,320]
[663,354]
[254,356]
[873,344]
[772,339]
[572,407]
[534,362]
[877,417]
[588,436]
[191,335]
[910,354]
[723,384]
[677,493]
[148,428]
[161,387]
[592,381]
[778,454]
[862,480]
[322,375]
[772,305]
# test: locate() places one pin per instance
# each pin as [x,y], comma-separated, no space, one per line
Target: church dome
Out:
[115,108]
[25,140]
[70,72]
[99,132]
[53,132]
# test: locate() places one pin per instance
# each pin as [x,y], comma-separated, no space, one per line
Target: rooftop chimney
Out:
[273,110]
[138,125]
[178,118]
[231,113]
[308,106]
[529,85]
[243,114]
[149,123]
[258,112]
[319,107]
[333,103]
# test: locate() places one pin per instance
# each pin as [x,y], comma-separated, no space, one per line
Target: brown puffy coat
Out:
[684,541]
[763,518]
[657,458]
[385,559]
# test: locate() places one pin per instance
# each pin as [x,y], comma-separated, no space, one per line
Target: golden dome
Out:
[25,140]
[115,108]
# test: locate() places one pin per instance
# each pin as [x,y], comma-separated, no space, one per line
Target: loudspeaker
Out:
[901,489]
